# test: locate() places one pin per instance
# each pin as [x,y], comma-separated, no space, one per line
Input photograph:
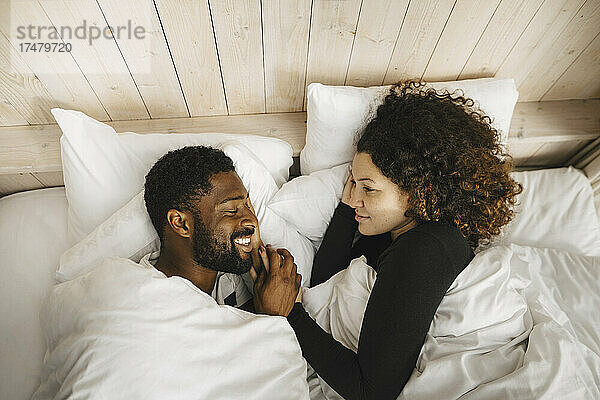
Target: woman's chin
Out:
[363,230]
[368,230]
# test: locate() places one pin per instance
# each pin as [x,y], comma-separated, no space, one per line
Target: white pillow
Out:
[555,209]
[103,170]
[129,232]
[308,201]
[337,114]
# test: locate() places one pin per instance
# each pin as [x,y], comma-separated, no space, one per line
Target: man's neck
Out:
[172,264]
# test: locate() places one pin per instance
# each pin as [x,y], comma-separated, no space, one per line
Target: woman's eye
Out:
[367,189]
[230,211]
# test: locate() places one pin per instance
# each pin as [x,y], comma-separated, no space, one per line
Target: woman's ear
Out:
[180,222]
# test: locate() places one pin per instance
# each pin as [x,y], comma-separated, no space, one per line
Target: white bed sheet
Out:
[33,234]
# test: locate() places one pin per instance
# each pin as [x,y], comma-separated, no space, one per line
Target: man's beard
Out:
[212,254]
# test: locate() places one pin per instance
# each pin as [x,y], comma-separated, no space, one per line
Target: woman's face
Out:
[379,203]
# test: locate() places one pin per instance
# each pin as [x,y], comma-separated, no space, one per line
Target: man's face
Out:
[225,228]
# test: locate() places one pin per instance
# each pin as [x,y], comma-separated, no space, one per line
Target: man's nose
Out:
[249,220]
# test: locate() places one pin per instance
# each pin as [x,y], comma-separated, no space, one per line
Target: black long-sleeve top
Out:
[413,274]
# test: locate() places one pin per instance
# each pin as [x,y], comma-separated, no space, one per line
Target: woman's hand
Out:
[254,254]
[347,192]
[277,285]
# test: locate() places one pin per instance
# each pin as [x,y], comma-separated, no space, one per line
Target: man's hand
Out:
[277,285]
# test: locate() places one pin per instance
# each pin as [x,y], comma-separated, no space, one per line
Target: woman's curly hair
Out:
[442,150]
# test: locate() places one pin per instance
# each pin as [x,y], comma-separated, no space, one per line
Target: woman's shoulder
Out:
[442,239]
[444,232]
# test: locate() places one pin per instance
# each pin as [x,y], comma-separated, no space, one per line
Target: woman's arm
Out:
[411,282]
[334,254]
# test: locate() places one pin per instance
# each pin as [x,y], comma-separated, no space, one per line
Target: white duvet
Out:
[518,323]
[123,331]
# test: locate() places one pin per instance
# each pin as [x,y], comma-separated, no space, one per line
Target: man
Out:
[208,229]
[152,331]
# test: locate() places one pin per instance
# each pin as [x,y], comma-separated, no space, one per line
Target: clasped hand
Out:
[276,283]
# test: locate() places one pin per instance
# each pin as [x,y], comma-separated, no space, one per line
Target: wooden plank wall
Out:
[204,59]
[225,57]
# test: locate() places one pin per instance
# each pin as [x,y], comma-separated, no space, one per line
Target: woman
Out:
[429,183]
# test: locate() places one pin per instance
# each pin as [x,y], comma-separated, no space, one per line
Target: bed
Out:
[34,229]
[35,233]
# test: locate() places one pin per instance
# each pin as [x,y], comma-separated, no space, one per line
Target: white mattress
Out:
[33,235]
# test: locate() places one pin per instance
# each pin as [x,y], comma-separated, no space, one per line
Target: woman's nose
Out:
[356,200]
[357,203]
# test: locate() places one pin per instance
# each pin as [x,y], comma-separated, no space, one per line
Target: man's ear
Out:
[180,222]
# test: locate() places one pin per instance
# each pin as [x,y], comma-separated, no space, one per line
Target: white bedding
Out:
[126,331]
[33,234]
[518,323]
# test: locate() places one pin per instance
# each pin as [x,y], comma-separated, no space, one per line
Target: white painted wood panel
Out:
[582,79]
[20,89]
[237,26]
[506,26]
[378,28]
[101,62]
[578,34]
[422,27]
[188,28]
[148,59]
[286,24]
[56,70]
[467,22]
[236,57]
[50,179]
[536,42]
[9,115]
[18,183]
[37,149]
[332,30]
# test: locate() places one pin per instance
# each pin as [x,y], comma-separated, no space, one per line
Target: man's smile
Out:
[244,243]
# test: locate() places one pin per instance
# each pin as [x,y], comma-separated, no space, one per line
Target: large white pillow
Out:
[555,210]
[308,201]
[129,232]
[103,170]
[337,114]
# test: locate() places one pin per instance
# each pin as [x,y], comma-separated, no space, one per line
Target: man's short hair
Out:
[178,178]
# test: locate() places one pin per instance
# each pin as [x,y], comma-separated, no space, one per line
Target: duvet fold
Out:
[124,331]
[517,323]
